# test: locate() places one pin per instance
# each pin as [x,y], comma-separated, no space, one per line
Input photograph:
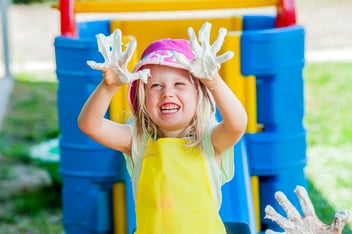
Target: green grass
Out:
[32,118]
[328,100]
[328,115]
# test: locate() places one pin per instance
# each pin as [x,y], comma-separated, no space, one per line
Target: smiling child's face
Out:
[170,99]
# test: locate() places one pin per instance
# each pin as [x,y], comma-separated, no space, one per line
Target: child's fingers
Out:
[204,33]
[270,213]
[219,40]
[182,60]
[94,65]
[225,56]
[193,41]
[127,55]
[340,220]
[115,45]
[272,232]
[291,211]
[305,202]
[102,42]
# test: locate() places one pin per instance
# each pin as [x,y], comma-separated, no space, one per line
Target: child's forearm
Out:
[234,117]
[92,114]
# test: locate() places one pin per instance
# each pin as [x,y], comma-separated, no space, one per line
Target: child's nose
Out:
[168,92]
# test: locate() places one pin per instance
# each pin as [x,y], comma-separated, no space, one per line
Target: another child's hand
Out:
[117,60]
[205,64]
[309,223]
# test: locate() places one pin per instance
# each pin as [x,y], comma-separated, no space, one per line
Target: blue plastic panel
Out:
[237,200]
[72,55]
[271,153]
[286,181]
[86,206]
[89,29]
[263,52]
[280,101]
[257,22]
[97,164]
[72,93]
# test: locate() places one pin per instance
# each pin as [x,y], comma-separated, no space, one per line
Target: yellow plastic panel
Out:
[251,104]
[230,71]
[162,5]
[146,31]
[119,108]
[256,200]
[119,208]
[243,86]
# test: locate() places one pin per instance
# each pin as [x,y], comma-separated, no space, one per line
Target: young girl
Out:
[177,154]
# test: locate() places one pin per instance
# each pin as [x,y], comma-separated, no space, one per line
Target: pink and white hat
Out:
[161,52]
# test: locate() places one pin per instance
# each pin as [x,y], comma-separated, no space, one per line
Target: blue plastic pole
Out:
[103,214]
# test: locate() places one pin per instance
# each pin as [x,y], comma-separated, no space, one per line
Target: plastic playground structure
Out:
[266,75]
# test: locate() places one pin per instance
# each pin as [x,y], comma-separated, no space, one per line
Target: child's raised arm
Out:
[91,120]
[205,66]
[234,118]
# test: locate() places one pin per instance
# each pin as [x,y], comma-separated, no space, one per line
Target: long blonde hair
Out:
[193,134]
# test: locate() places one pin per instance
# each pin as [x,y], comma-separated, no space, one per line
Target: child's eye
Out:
[180,84]
[156,85]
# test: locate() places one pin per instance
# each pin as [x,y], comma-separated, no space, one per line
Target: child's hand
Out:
[116,60]
[205,64]
[309,223]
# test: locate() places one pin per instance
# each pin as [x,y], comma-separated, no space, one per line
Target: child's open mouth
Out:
[169,108]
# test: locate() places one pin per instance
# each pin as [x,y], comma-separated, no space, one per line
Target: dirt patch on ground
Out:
[17,177]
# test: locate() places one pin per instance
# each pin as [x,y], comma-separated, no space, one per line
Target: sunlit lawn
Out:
[328,119]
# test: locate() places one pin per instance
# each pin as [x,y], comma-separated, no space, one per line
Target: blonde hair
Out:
[193,134]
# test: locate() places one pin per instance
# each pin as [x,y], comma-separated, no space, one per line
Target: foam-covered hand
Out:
[111,49]
[309,223]
[205,64]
